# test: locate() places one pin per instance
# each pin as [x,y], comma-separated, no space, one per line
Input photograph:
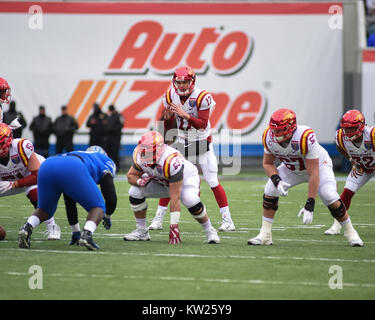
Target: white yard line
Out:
[193,279]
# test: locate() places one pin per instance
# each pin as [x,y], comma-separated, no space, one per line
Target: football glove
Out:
[107,222]
[144,180]
[281,186]
[174,234]
[5,186]
[307,212]
[15,124]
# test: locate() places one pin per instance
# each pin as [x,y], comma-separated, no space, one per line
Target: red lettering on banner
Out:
[145,46]
[222,101]
[206,36]
[244,110]
[240,52]
[159,60]
[129,49]
[154,91]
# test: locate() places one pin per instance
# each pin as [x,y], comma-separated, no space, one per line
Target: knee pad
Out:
[138,204]
[338,212]
[198,211]
[270,203]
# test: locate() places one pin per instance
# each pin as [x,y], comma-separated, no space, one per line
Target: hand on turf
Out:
[174,234]
[107,222]
[282,188]
[5,186]
[307,216]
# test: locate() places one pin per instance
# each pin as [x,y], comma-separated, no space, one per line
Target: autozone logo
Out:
[148,50]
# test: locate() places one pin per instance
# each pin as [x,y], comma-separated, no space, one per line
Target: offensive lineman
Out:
[356,142]
[161,171]
[302,160]
[19,166]
[190,108]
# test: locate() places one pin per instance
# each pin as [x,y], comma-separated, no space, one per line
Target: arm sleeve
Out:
[178,176]
[109,193]
[202,120]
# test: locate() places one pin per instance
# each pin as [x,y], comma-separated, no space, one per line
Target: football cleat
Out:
[24,235]
[87,241]
[53,232]
[138,235]
[75,238]
[335,228]
[227,225]
[261,239]
[212,236]
[353,238]
[156,224]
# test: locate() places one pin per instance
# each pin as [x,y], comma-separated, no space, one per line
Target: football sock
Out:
[220,196]
[225,213]
[75,227]
[163,202]
[90,226]
[50,222]
[161,211]
[206,225]
[34,221]
[266,225]
[346,197]
[141,223]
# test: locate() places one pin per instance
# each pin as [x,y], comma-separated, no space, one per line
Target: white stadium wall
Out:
[253,57]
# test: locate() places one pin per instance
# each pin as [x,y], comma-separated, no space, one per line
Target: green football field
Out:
[303,263]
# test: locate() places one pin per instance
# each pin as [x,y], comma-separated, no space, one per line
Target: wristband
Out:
[175,217]
[310,204]
[275,178]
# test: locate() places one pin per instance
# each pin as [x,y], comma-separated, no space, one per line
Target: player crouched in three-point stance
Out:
[19,166]
[107,187]
[161,171]
[75,174]
[356,142]
[302,160]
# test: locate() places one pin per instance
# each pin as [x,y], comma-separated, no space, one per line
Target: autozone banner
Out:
[253,57]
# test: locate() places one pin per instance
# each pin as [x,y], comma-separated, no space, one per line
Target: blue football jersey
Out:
[97,163]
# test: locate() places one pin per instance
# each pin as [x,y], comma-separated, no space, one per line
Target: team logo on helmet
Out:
[353,124]
[282,124]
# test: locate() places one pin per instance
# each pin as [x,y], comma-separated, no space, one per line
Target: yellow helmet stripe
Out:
[341,139]
[135,153]
[372,135]
[264,138]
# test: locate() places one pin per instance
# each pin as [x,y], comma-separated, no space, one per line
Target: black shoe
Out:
[75,238]
[87,241]
[24,235]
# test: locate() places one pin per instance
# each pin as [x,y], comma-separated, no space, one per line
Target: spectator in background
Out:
[12,114]
[113,128]
[371,36]
[64,128]
[41,126]
[96,122]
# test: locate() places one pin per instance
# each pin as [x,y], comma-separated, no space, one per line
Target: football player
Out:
[5,96]
[108,190]
[302,160]
[160,171]
[356,142]
[190,108]
[75,174]
[19,166]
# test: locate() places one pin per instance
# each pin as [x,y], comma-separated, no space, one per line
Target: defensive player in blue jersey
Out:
[75,174]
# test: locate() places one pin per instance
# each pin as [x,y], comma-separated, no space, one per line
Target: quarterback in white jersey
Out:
[189,107]
[161,171]
[19,166]
[356,142]
[302,160]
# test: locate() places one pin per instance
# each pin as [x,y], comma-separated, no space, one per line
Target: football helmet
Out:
[184,80]
[352,124]
[6,138]
[4,91]
[150,147]
[96,149]
[282,124]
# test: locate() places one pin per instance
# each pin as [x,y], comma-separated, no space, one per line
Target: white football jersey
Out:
[19,155]
[303,145]
[169,164]
[198,100]
[364,155]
